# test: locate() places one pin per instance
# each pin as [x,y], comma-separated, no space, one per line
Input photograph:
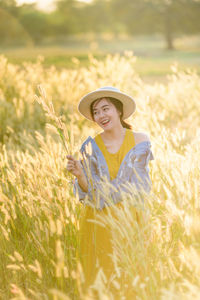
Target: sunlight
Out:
[46,5]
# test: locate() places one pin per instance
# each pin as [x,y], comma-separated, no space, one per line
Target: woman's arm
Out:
[75,167]
[82,181]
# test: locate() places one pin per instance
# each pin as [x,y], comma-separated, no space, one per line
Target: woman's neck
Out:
[117,133]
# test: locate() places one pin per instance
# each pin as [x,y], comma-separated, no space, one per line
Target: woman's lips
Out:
[104,123]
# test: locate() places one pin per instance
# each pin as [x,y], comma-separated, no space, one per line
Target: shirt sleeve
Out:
[92,197]
[78,190]
[141,176]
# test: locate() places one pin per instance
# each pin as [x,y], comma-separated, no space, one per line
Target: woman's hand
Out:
[74,166]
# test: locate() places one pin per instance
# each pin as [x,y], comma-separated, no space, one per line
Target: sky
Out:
[46,5]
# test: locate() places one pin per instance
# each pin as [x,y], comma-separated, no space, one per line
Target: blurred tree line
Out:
[26,24]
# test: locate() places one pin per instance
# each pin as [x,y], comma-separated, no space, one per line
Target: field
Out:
[40,217]
[152,64]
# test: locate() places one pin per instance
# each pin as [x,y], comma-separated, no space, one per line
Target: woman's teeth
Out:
[105,122]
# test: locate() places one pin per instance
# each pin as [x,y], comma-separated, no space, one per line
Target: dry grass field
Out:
[39,215]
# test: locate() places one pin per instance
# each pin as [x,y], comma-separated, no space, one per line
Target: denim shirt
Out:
[132,177]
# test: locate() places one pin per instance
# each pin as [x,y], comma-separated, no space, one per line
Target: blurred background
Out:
[151,50]
[159,32]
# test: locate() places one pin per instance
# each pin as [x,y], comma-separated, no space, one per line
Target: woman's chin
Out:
[107,127]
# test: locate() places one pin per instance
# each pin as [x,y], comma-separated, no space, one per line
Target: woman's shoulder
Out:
[142,143]
[141,137]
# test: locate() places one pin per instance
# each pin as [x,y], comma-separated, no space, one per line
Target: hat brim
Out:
[129,105]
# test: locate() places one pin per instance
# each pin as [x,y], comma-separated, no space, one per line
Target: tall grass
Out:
[40,217]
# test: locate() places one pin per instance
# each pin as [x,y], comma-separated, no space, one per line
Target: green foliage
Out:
[27,24]
[168,17]
[34,22]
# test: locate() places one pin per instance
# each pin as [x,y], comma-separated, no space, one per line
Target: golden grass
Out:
[39,214]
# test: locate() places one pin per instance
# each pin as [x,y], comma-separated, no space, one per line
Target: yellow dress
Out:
[95,240]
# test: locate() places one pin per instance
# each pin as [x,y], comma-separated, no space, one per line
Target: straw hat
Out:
[128,102]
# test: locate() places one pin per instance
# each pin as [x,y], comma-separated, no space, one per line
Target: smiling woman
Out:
[117,156]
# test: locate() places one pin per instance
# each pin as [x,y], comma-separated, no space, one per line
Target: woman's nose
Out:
[101,114]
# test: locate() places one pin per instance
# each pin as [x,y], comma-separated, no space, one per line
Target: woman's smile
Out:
[105,122]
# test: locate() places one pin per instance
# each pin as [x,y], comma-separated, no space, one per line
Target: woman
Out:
[113,163]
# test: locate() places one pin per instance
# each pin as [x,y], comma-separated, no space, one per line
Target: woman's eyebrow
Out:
[105,105]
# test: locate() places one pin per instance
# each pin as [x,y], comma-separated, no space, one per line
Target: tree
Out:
[11,30]
[79,17]
[35,22]
[169,17]
[9,5]
[68,10]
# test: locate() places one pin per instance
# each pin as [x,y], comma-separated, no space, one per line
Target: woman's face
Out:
[105,114]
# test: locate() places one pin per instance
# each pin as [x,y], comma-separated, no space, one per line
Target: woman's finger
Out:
[71,162]
[73,165]
[70,168]
[70,165]
[70,158]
